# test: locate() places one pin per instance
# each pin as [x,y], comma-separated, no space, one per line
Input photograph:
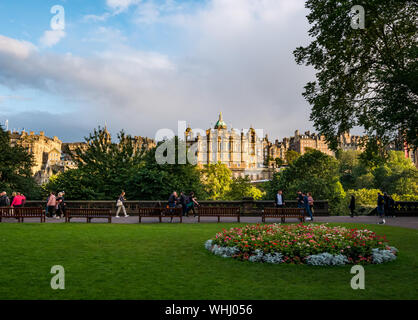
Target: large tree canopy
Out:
[366,77]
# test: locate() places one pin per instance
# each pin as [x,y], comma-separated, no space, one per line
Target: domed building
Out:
[245,153]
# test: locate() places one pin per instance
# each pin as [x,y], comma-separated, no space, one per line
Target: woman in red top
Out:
[17,201]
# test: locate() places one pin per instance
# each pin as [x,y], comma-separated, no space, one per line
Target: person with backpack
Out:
[60,208]
[191,202]
[120,204]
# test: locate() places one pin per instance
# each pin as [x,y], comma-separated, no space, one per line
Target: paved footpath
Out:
[406,222]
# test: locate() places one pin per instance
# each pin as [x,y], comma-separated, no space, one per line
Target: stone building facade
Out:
[46,153]
[247,153]
[242,152]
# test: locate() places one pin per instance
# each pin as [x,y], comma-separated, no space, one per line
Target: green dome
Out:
[220,124]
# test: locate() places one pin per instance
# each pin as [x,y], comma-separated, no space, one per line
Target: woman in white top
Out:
[120,205]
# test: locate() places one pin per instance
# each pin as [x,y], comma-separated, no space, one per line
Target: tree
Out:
[314,172]
[241,188]
[154,181]
[397,175]
[366,77]
[217,179]
[291,156]
[348,161]
[279,162]
[16,169]
[103,169]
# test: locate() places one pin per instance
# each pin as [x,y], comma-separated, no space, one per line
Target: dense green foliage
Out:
[315,172]
[365,77]
[15,169]
[329,178]
[106,168]
[169,261]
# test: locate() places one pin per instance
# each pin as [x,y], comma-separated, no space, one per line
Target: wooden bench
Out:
[7,212]
[284,213]
[21,213]
[160,213]
[149,213]
[218,212]
[88,214]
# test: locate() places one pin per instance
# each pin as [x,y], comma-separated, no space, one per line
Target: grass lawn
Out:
[169,261]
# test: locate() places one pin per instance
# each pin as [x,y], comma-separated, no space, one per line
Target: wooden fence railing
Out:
[247,207]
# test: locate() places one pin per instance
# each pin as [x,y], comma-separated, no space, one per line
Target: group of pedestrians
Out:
[55,205]
[304,200]
[186,202]
[17,200]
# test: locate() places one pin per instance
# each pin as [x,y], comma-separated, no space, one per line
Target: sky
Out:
[144,65]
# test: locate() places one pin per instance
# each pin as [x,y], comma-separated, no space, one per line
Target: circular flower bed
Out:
[302,244]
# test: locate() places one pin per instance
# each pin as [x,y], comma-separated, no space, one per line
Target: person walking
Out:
[306,205]
[280,203]
[60,207]
[120,204]
[352,206]
[173,200]
[311,202]
[52,203]
[191,203]
[380,207]
[183,201]
[299,198]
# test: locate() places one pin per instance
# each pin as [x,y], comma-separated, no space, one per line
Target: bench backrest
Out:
[28,212]
[7,212]
[284,211]
[218,211]
[150,211]
[82,212]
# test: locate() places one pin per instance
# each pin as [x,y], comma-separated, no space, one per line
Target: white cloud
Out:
[233,56]
[51,37]
[121,5]
[18,48]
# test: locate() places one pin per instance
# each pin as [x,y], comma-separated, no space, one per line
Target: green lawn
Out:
[168,261]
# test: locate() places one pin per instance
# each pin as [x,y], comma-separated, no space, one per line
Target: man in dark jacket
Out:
[172,200]
[352,206]
[183,202]
[4,199]
[380,207]
[279,201]
[299,198]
